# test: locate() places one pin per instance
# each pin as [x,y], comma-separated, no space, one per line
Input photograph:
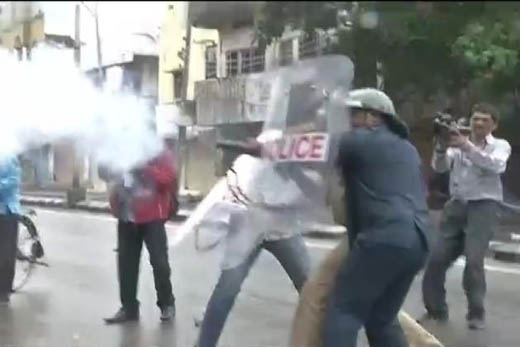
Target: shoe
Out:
[123,316]
[438,317]
[4,299]
[197,321]
[476,323]
[167,313]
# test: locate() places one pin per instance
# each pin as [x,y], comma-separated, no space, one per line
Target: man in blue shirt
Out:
[10,177]
[388,225]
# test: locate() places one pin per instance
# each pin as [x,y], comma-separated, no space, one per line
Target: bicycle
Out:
[29,250]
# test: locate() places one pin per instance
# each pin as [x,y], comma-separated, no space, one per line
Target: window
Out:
[211,62]
[252,60]
[177,85]
[231,63]
[244,61]
[286,52]
[309,45]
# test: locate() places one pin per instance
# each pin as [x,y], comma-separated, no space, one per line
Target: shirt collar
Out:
[490,139]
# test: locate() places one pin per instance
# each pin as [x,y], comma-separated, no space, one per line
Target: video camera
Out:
[444,125]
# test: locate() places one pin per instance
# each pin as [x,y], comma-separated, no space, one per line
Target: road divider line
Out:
[492,268]
[461,262]
[82,214]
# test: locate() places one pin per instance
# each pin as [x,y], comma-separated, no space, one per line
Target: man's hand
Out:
[458,140]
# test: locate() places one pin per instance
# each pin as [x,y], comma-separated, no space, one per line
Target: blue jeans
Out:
[370,289]
[292,255]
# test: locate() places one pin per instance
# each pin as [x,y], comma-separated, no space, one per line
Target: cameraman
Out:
[469,218]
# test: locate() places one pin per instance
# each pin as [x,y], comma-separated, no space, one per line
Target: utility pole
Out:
[76,193]
[98,48]
[182,154]
[100,78]
[95,14]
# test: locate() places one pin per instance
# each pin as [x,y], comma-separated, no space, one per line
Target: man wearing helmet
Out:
[388,224]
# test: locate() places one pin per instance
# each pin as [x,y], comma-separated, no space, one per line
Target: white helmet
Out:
[371,99]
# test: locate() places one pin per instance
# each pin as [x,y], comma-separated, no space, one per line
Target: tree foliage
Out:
[423,46]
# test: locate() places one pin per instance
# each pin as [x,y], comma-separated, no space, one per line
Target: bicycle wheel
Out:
[27,236]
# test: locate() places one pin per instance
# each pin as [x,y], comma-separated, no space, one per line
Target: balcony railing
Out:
[309,45]
[252,62]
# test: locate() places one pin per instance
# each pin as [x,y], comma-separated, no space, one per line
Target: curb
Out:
[506,251]
[318,231]
[89,206]
[335,232]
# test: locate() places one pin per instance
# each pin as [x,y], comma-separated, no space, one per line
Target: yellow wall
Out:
[37,33]
[198,57]
[171,43]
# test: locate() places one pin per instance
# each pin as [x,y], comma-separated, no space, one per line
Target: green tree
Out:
[489,46]
[411,39]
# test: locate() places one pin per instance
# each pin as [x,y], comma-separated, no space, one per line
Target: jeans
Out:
[370,289]
[8,244]
[130,242]
[465,228]
[292,255]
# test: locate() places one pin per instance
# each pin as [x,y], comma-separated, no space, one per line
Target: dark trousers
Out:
[130,242]
[465,228]
[370,288]
[8,243]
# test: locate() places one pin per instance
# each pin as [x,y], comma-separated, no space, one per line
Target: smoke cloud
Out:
[49,99]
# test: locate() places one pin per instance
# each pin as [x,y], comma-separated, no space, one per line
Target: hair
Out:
[486,108]
[396,125]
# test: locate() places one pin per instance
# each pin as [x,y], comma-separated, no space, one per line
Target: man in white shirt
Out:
[470,216]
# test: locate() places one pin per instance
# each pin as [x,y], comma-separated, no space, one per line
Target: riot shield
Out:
[309,96]
[305,115]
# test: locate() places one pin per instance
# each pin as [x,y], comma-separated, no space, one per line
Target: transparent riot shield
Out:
[304,117]
[283,192]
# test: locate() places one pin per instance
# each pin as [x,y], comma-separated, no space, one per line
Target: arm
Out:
[162,171]
[252,148]
[442,159]
[495,161]
[10,178]
[346,152]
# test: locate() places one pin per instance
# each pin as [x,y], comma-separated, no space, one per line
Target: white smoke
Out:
[49,99]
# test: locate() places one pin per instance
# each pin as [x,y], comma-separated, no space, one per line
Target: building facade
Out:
[228,105]
[27,31]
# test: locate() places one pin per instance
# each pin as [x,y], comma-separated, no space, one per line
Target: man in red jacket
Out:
[142,201]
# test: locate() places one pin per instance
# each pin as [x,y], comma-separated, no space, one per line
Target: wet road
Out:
[64,305]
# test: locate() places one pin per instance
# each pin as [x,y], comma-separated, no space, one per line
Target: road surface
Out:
[64,305]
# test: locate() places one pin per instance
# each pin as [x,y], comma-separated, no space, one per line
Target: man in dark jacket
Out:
[142,201]
[388,225]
